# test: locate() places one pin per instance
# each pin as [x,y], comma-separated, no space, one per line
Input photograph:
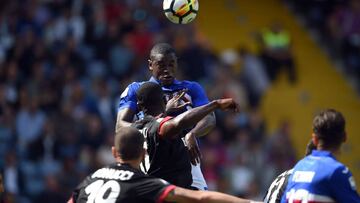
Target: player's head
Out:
[163,63]
[128,145]
[150,98]
[329,130]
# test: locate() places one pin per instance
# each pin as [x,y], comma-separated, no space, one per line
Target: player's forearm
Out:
[217,197]
[204,126]
[193,116]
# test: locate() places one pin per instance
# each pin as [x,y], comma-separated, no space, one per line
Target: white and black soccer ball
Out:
[181,11]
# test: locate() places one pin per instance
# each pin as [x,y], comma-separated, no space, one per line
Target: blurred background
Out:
[64,63]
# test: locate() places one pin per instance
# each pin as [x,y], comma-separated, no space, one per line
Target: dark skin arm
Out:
[124,118]
[184,195]
[187,119]
[203,127]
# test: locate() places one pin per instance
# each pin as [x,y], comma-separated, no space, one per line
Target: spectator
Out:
[29,122]
[254,75]
[276,52]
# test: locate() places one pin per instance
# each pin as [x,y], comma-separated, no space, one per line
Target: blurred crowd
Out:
[63,65]
[337,23]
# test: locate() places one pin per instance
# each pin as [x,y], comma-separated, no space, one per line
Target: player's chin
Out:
[167,80]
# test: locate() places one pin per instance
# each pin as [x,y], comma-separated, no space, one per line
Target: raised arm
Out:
[187,119]
[205,125]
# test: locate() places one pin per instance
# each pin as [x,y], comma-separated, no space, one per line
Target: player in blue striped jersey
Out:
[163,65]
[319,177]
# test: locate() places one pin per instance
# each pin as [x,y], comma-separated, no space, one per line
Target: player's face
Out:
[163,68]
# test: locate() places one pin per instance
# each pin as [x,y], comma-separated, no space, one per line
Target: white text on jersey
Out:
[109,173]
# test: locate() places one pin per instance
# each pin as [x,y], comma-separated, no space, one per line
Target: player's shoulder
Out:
[332,164]
[339,169]
[131,89]
[148,123]
[191,85]
[188,82]
[326,165]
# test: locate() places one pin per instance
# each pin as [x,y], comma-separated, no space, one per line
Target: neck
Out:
[133,163]
[334,151]
[153,112]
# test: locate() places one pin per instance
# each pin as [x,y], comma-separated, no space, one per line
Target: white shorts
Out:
[198,178]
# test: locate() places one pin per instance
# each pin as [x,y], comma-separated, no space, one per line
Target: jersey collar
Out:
[152,79]
[322,153]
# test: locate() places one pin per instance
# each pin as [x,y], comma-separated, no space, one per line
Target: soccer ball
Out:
[181,11]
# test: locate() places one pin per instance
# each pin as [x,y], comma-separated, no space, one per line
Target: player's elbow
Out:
[120,124]
[212,120]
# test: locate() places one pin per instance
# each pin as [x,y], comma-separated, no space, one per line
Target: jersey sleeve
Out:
[162,121]
[154,189]
[77,194]
[128,98]
[277,187]
[343,186]
[198,95]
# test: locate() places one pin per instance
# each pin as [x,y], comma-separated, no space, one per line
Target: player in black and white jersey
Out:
[278,186]
[124,182]
[167,156]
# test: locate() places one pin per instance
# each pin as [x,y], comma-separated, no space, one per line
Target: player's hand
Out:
[176,103]
[228,104]
[193,148]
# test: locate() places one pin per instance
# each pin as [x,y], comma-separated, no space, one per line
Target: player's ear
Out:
[315,139]
[114,152]
[345,137]
[139,105]
[150,64]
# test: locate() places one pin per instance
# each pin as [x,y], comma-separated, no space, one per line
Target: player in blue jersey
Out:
[319,177]
[278,186]
[162,65]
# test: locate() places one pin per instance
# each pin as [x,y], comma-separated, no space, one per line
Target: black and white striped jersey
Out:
[277,187]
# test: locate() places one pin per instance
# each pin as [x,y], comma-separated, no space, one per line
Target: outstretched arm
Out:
[204,126]
[190,118]
[185,195]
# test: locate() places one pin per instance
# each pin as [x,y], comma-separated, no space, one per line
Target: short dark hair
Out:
[129,143]
[149,94]
[162,48]
[329,126]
